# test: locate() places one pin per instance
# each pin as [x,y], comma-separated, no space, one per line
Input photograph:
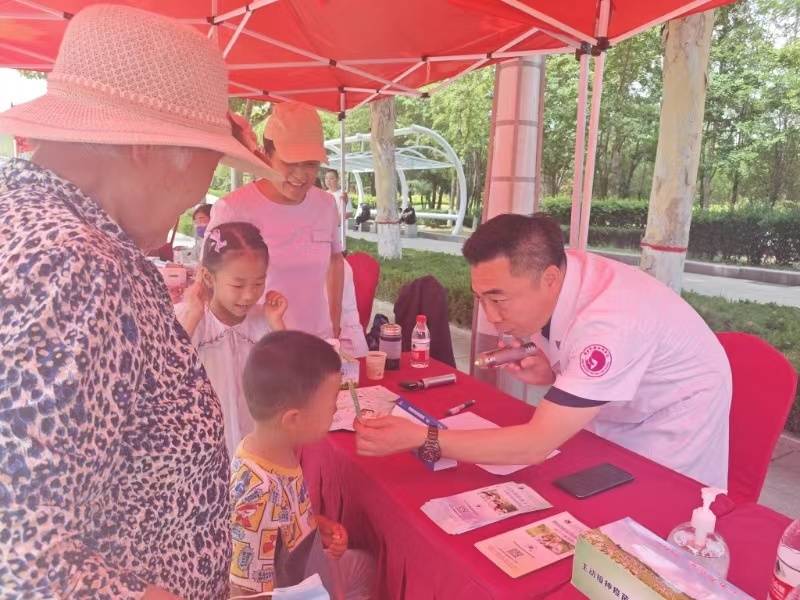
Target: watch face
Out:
[430,451]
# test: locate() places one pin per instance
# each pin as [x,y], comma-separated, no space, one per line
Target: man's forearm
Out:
[528,444]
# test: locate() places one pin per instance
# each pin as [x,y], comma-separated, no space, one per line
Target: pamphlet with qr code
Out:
[531,547]
[469,510]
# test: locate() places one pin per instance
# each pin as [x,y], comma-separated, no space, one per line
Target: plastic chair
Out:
[366,274]
[764,387]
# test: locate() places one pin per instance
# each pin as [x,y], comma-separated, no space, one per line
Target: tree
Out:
[686,49]
[382,143]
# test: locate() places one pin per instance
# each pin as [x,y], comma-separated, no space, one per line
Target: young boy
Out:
[291,380]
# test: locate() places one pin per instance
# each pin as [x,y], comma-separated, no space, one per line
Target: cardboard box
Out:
[626,561]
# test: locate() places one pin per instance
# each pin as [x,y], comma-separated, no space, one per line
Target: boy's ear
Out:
[290,418]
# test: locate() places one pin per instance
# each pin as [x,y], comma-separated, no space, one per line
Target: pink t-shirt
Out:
[301,239]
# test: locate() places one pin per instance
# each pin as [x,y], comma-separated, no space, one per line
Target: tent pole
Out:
[594,122]
[342,171]
[580,148]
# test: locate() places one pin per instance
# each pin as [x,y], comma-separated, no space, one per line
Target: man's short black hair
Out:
[531,243]
[284,370]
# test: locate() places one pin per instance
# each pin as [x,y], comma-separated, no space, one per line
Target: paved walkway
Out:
[709,285]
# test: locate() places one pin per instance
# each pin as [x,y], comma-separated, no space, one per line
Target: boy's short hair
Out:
[284,370]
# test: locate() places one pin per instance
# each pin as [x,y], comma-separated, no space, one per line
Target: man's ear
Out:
[551,276]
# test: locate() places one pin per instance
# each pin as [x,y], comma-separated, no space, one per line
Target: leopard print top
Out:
[113,468]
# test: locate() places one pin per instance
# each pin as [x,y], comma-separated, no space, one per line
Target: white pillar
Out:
[513,169]
[513,173]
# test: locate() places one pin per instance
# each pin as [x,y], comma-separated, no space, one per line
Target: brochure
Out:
[476,508]
[531,547]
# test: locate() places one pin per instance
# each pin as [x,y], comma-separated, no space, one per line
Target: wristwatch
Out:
[430,451]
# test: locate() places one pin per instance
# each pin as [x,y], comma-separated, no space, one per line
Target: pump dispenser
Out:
[698,538]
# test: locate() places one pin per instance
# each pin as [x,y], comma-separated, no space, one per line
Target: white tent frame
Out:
[444,147]
[570,38]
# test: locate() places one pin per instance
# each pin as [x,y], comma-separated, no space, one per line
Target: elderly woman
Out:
[113,469]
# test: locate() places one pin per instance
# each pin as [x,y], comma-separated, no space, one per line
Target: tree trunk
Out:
[686,47]
[735,188]
[382,143]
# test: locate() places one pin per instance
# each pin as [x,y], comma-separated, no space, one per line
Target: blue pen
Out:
[419,413]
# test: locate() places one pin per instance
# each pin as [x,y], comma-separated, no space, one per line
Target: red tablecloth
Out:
[379,499]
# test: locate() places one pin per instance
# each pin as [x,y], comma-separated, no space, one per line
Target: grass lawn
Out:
[779,325]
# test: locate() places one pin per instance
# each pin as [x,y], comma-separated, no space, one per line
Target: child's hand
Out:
[334,536]
[196,297]
[275,305]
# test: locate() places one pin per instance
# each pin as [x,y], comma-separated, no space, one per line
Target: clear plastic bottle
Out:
[421,344]
[787,564]
[698,538]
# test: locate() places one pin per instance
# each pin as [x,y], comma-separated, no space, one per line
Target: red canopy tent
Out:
[340,54]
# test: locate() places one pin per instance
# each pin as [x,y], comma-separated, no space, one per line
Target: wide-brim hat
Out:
[126,76]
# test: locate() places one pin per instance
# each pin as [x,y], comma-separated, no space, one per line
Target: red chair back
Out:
[764,387]
[366,274]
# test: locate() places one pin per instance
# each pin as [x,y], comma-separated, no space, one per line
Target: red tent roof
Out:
[338,54]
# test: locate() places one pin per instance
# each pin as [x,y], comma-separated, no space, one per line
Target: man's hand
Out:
[334,536]
[534,369]
[387,435]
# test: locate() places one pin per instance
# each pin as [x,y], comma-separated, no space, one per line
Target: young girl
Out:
[221,314]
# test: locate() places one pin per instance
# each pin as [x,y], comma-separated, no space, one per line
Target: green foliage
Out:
[748,234]
[611,212]
[779,325]
[451,271]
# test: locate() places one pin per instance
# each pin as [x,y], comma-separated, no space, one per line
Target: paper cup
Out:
[376,364]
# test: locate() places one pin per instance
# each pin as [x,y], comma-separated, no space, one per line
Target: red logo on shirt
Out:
[595,360]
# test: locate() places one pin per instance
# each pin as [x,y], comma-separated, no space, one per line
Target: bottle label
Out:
[420,350]
[779,589]
[787,576]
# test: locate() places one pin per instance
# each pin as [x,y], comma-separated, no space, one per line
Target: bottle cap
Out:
[422,319]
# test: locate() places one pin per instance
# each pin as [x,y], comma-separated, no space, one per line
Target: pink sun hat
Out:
[126,76]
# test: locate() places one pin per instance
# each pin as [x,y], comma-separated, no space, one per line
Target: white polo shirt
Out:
[620,338]
[300,238]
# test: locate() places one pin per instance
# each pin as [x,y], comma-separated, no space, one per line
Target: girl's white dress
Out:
[223,350]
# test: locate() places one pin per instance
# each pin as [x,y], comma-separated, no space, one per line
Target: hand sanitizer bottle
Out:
[697,537]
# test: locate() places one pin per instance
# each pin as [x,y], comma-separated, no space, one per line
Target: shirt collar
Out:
[22,174]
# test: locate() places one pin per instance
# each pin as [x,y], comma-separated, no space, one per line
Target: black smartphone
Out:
[593,480]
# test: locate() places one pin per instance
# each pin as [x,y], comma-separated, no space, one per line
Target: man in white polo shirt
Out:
[624,355]
[298,221]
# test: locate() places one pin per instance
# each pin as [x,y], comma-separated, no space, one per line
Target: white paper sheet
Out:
[468,421]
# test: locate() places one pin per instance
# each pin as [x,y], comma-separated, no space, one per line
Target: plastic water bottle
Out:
[421,344]
[787,565]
